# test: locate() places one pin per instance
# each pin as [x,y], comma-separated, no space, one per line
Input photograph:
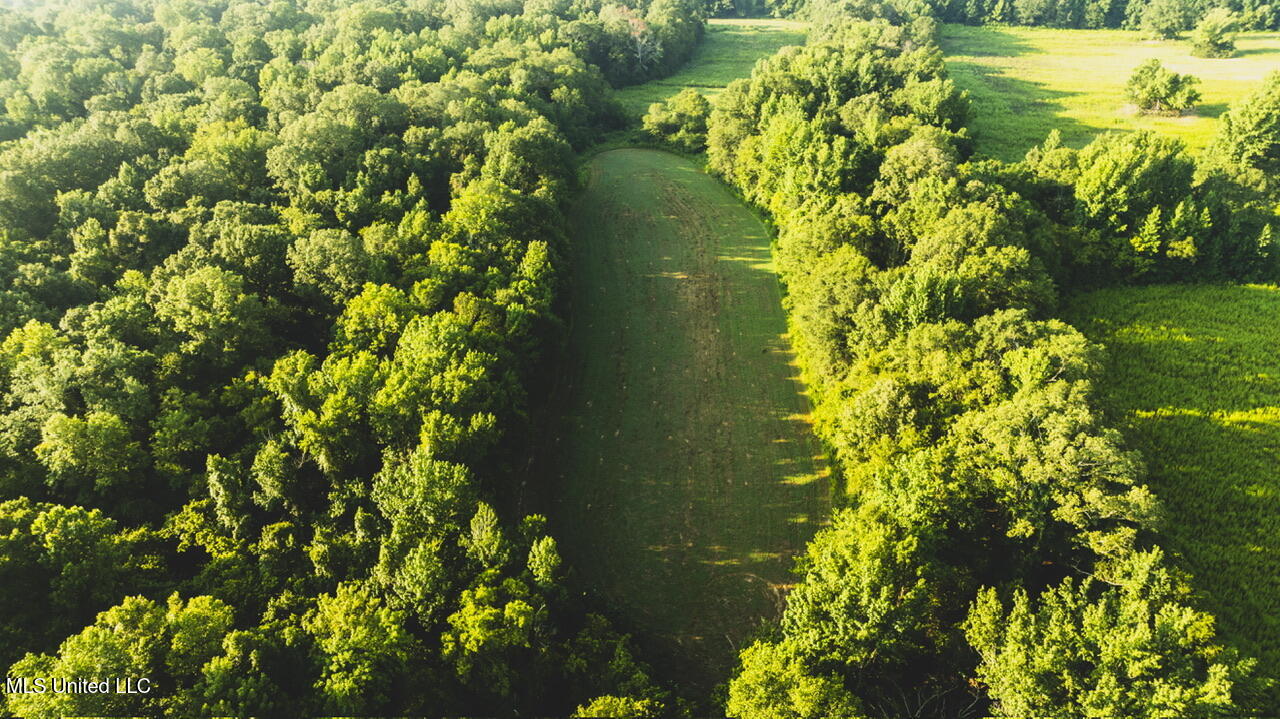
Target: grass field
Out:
[688,473]
[1194,377]
[1024,82]
[728,52]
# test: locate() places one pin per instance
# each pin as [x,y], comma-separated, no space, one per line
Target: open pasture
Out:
[1024,82]
[729,51]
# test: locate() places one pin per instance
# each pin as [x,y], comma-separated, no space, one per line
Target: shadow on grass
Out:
[1213,109]
[1247,51]
[1192,381]
[1010,115]
[677,448]
[1221,490]
[985,41]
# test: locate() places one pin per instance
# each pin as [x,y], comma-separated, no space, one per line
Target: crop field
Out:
[1024,82]
[689,476]
[1194,379]
[729,50]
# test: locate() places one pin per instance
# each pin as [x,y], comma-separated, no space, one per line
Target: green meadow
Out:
[1024,82]
[729,50]
[1194,382]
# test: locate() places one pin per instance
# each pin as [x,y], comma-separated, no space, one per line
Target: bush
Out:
[1215,35]
[1157,90]
[680,121]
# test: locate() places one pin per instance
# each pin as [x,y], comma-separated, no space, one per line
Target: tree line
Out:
[1160,18]
[274,280]
[998,551]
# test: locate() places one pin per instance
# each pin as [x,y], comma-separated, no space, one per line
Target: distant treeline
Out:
[1120,14]
[999,552]
[1175,15]
[1126,14]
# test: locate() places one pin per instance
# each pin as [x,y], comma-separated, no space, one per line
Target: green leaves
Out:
[271,280]
[1134,649]
[333,263]
[1249,135]
[775,684]
[1159,91]
[209,308]
[1214,35]
[168,644]
[681,120]
[363,648]
[94,454]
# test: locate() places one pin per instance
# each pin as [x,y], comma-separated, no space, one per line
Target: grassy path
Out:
[729,50]
[689,477]
[1026,81]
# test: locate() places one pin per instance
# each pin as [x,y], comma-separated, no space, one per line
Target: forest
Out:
[277,278]
[285,290]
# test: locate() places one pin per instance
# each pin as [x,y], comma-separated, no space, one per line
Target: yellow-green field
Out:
[729,51]
[688,474]
[1194,381]
[1024,82]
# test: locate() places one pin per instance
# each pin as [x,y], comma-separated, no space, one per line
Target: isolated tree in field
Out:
[1164,19]
[1157,90]
[1215,35]
[681,120]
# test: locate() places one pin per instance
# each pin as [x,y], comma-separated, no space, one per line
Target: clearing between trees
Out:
[1026,81]
[727,52]
[689,475]
[1194,381]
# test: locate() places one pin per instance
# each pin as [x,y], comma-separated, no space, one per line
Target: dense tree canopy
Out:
[273,279]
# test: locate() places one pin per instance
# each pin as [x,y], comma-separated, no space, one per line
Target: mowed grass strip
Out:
[1194,377]
[1024,82]
[729,50]
[689,475]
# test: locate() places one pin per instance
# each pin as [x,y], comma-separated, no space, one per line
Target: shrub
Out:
[1157,90]
[681,120]
[1215,35]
